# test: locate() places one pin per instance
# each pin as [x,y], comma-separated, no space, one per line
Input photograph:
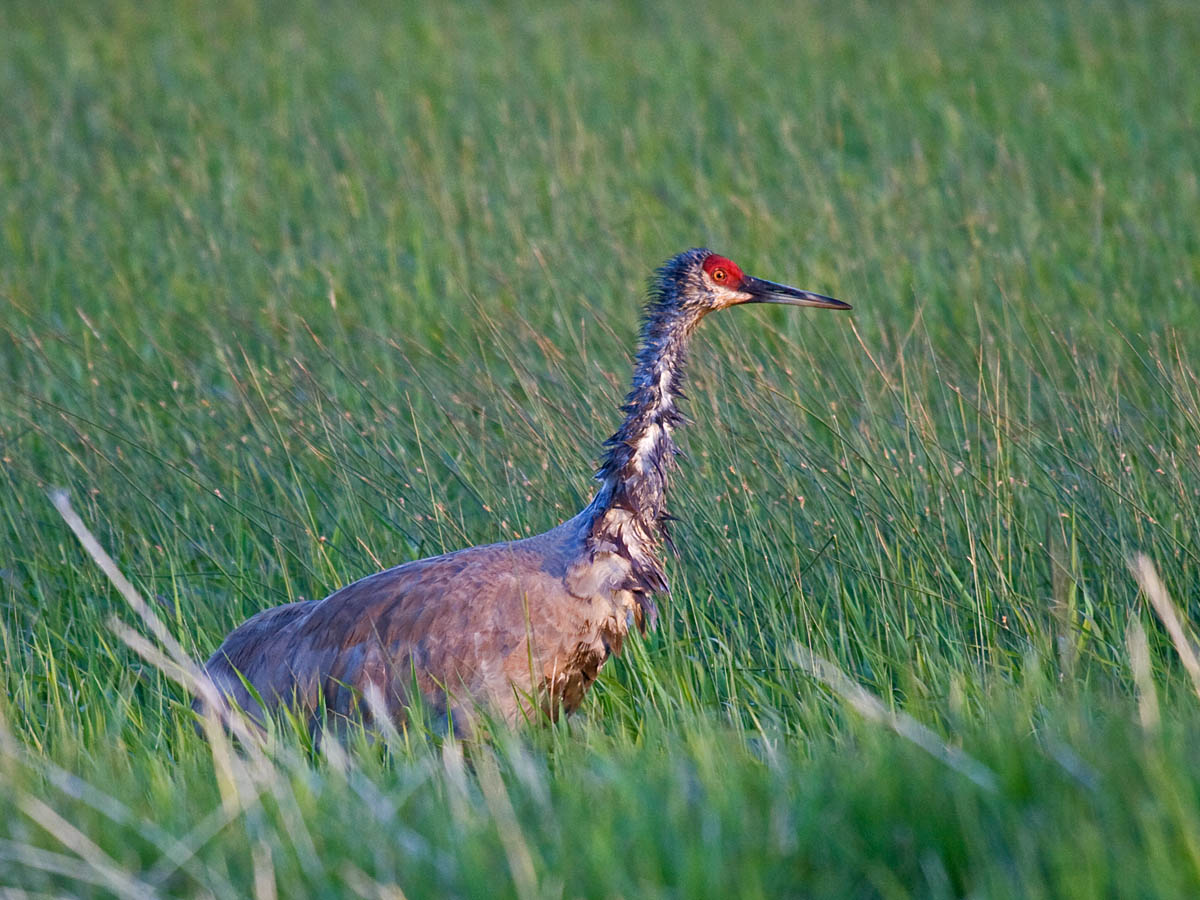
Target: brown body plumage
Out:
[521,628]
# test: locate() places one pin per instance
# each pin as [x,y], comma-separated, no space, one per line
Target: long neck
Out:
[630,516]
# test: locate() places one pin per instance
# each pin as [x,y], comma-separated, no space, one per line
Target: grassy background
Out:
[293,291]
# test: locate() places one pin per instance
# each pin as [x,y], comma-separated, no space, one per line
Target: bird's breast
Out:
[601,577]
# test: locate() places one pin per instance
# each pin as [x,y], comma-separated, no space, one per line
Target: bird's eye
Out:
[719,275]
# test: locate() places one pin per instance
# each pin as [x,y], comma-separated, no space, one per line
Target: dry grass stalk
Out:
[872,708]
[1154,589]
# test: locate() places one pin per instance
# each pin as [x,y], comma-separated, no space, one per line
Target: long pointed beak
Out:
[761,291]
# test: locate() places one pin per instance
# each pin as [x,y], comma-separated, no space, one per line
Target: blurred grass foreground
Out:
[290,292]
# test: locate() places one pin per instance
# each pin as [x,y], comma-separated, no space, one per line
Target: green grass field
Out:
[294,291]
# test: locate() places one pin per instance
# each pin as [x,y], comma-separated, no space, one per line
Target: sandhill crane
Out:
[519,629]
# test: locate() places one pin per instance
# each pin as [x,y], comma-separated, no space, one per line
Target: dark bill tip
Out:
[761,291]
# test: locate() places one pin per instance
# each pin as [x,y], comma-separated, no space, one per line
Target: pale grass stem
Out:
[516,850]
[178,666]
[107,872]
[367,887]
[458,794]
[241,777]
[264,872]
[1143,677]
[1154,589]
[58,864]
[176,854]
[870,707]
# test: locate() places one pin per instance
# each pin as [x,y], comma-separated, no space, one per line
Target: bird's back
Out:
[514,627]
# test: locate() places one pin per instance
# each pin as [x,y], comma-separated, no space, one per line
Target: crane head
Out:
[700,281]
[727,285]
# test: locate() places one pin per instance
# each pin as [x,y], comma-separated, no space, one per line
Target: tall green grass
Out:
[291,292]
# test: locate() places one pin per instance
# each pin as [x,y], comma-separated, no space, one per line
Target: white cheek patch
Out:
[729,297]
